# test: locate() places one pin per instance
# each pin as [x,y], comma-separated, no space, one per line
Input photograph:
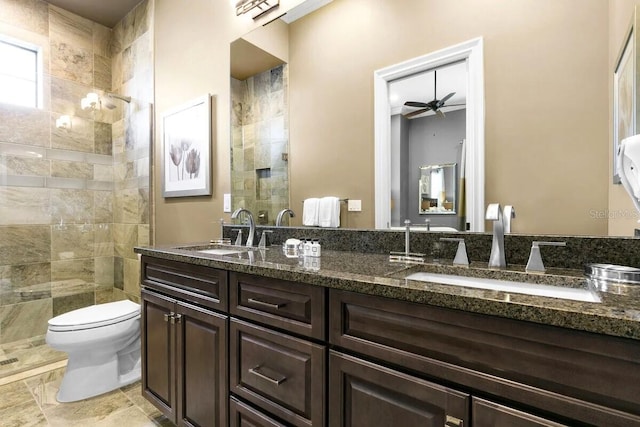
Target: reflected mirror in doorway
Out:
[437,189]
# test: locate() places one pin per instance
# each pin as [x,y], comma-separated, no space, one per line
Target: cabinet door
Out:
[202,366]
[363,394]
[489,414]
[158,355]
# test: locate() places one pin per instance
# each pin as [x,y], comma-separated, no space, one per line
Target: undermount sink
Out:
[575,294]
[221,251]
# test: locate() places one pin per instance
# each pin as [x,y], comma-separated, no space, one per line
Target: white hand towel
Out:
[329,212]
[310,209]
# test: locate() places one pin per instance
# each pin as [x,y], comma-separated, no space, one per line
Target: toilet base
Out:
[91,374]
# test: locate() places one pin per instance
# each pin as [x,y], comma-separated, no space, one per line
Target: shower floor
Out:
[24,355]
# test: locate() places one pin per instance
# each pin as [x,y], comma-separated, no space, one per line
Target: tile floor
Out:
[30,353]
[31,402]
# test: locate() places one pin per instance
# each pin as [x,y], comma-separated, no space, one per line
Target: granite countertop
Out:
[617,314]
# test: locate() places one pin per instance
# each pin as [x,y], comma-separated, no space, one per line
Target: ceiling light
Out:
[263,6]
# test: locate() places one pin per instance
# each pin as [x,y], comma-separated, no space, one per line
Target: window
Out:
[19,74]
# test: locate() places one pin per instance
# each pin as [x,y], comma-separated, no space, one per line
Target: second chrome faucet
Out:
[496,259]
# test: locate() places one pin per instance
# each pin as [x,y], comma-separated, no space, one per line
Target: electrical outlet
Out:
[226,203]
[354,205]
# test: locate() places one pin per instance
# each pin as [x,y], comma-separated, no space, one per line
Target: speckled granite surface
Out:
[578,251]
[617,314]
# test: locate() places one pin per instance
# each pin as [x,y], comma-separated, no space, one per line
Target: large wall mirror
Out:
[546,89]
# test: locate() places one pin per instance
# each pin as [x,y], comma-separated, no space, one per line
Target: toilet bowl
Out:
[103,345]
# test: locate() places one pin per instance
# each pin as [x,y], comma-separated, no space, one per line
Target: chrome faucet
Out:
[508,213]
[496,259]
[252,223]
[281,215]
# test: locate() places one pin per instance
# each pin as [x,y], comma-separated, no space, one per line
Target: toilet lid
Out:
[95,316]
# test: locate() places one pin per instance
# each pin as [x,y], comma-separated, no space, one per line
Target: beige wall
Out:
[547,97]
[192,58]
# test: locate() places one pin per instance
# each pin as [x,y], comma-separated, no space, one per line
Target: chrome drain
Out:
[9,361]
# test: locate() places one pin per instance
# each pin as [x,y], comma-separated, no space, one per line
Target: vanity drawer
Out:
[243,415]
[575,374]
[278,373]
[295,307]
[198,284]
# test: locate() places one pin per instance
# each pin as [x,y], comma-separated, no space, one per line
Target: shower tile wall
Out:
[260,142]
[132,76]
[60,190]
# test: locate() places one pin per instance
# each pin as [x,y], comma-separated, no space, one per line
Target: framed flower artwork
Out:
[186,136]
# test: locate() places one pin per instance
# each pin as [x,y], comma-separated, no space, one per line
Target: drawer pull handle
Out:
[176,318]
[277,381]
[453,422]
[167,317]
[266,304]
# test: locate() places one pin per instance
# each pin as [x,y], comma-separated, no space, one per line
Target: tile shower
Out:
[260,143]
[73,202]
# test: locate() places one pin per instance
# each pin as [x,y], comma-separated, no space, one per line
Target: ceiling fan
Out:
[434,105]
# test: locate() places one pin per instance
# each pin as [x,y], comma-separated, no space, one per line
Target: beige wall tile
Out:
[61,169]
[21,321]
[68,303]
[78,138]
[102,138]
[72,241]
[102,40]
[32,15]
[102,72]
[103,205]
[77,269]
[126,206]
[67,287]
[71,206]
[24,205]
[28,166]
[104,240]
[71,63]
[103,173]
[70,28]
[125,236]
[24,125]
[66,96]
[132,276]
[104,271]
[25,244]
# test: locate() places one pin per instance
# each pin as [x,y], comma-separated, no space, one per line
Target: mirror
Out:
[437,189]
[547,74]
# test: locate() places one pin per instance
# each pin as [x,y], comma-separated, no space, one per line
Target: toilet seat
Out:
[95,316]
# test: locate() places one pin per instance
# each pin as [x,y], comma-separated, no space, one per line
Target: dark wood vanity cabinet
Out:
[540,375]
[225,348]
[184,355]
[367,394]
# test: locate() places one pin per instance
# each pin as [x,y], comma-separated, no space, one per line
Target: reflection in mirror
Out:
[437,190]
[259,130]
[429,110]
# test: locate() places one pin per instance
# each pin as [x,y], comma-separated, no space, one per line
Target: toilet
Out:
[103,345]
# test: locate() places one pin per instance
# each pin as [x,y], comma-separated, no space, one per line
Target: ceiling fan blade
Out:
[416,113]
[443,100]
[416,104]
[440,114]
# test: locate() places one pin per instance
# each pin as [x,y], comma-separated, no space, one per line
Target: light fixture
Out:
[264,6]
[63,122]
[90,102]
